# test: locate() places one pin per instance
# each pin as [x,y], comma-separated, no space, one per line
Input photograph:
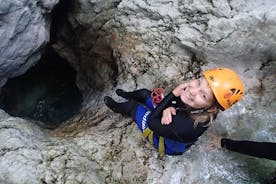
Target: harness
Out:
[157,96]
[148,133]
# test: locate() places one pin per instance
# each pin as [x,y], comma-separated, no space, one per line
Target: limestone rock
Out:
[24,31]
[149,44]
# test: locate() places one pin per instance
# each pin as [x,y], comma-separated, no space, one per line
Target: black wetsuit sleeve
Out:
[165,103]
[256,149]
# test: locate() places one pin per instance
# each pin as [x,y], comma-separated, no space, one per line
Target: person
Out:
[185,113]
[257,149]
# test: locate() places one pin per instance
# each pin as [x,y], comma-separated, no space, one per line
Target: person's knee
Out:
[145,92]
[134,110]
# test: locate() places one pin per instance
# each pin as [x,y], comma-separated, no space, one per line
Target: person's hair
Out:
[203,117]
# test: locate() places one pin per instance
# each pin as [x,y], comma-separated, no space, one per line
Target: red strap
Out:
[157,95]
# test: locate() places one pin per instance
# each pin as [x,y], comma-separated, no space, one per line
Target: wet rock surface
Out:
[132,44]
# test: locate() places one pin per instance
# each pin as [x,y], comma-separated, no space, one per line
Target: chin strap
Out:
[157,95]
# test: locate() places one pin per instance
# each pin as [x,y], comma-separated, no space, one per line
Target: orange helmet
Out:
[226,86]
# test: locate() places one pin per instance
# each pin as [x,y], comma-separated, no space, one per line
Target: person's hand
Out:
[167,115]
[215,142]
[179,89]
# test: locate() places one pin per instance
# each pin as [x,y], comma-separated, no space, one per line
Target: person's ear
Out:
[212,109]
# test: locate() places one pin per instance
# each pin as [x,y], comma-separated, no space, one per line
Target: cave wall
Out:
[133,44]
[24,28]
[142,38]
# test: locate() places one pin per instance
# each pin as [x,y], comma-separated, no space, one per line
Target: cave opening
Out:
[47,92]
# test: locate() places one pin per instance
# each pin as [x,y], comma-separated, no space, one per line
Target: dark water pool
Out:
[47,92]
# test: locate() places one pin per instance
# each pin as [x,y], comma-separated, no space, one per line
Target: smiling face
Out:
[198,94]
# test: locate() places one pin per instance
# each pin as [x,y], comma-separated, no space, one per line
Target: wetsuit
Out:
[178,135]
[256,149]
[182,127]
